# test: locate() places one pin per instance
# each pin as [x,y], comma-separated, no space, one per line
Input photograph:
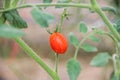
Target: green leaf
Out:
[88,48]
[108,8]
[15,19]
[47,1]
[117,25]
[6,4]
[100,32]
[14,3]
[10,32]
[83,27]
[42,18]
[94,38]
[73,69]
[74,40]
[114,77]
[101,59]
[118,43]
[2,18]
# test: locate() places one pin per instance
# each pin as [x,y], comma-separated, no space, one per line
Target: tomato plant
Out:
[11,24]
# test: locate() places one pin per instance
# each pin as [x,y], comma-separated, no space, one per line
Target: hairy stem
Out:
[57,62]
[62,19]
[81,42]
[50,4]
[96,8]
[32,54]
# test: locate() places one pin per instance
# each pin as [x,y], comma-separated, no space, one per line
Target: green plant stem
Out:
[114,63]
[115,40]
[109,8]
[6,4]
[50,4]
[61,20]
[81,42]
[96,8]
[32,54]
[57,62]
[116,66]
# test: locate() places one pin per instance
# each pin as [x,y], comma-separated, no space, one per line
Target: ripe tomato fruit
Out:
[58,43]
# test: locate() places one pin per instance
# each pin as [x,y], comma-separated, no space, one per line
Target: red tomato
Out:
[58,43]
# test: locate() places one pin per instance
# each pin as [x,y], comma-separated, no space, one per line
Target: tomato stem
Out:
[96,7]
[48,30]
[32,54]
[116,65]
[50,4]
[81,42]
[57,62]
[63,15]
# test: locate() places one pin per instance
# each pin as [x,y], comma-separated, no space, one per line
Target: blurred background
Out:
[16,65]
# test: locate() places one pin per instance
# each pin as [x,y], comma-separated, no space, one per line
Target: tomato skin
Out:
[58,43]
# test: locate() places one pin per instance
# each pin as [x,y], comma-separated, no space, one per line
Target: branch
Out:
[49,4]
[32,54]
